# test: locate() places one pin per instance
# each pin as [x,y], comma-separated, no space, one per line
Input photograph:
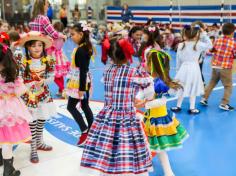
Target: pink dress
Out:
[62,64]
[14,115]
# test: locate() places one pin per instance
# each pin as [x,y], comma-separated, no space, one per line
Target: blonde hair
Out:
[38,8]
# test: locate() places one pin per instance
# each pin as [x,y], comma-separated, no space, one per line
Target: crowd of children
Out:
[116,141]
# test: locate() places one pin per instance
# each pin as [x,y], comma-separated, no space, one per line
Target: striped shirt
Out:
[42,24]
[225,52]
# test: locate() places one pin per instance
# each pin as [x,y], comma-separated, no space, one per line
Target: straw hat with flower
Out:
[35,35]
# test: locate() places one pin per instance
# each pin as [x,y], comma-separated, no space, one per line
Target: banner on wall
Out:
[177,15]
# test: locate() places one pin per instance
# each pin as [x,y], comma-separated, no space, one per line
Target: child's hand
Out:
[63,36]
[139,103]
[81,95]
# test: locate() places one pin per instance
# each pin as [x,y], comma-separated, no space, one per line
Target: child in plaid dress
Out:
[116,144]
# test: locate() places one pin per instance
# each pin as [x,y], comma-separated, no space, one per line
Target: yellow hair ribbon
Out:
[25,61]
[93,58]
[44,60]
[159,60]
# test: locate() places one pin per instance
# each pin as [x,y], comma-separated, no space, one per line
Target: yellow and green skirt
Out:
[163,129]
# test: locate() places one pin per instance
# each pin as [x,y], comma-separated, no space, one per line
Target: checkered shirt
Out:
[42,24]
[225,52]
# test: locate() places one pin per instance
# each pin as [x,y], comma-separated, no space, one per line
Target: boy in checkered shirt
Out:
[222,62]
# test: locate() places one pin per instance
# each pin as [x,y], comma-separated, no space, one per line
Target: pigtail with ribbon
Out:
[105,48]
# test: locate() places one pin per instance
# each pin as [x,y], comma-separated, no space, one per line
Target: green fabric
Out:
[168,142]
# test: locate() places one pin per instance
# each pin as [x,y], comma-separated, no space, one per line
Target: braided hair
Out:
[28,58]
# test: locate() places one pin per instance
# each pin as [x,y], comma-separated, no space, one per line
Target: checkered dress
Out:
[42,24]
[116,144]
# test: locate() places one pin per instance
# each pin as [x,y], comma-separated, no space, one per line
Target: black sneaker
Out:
[193,111]
[226,107]
[204,102]
[175,109]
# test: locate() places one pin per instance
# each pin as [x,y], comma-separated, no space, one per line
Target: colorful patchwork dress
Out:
[116,144]
[161,126]
[38,98]
[14,115]
[62,64]
[72,88]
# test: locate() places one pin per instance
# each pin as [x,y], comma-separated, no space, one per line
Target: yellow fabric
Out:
[73,58]
[74,84]
[158,112]
[169,129]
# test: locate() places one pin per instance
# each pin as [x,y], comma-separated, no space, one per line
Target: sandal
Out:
[193,111]
[175,109]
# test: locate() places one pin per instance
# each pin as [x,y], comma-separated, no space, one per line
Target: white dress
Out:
[188,70]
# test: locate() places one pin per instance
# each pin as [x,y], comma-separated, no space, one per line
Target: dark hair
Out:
[135,29]
[10,70]
[44,54]
[161,59]
[38,8]
[86,38]
[115,52]
[14,36]
[228,28]
[190,33]
[154,37]
[58,26]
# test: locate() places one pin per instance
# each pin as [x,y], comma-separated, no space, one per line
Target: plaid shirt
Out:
[42,24]
[225,52]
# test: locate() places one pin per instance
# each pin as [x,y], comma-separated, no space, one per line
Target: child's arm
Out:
[206,43]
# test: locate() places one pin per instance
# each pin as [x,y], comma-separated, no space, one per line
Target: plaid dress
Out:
[116,144]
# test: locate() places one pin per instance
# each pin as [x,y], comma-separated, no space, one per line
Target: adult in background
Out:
[63,15]
[50,12]
[40,21]
[76,14]
[126,14]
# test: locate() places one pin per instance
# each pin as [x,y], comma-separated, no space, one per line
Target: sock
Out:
[7,151]
[179,101]
[33,126]
[39,134]
[192,102]
[164,160]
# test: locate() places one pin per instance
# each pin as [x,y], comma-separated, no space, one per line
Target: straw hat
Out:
[35,35]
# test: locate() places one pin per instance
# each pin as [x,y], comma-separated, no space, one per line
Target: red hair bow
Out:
[105,47]
[127,49]
[4,37]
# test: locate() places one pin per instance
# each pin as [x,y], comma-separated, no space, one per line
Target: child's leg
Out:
[180,100]
[7,152]
[9,169]
[165,163]
[34,155]
[215,77]
[179,103]
[201,69]
[71,107]
[226,78]
[39,136]
[192,100]
[60,83]
[87,110]
[1,159]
